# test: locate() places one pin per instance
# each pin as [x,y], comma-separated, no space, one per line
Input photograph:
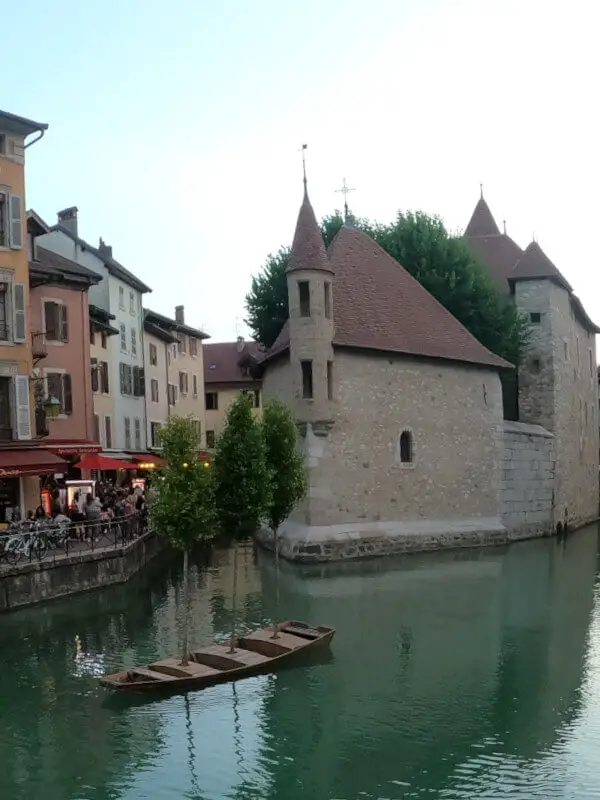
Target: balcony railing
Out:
[39,349]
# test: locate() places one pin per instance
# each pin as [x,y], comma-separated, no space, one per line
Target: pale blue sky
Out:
[174,127]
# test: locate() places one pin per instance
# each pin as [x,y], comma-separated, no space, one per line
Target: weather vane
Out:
[345,191]
[303,151]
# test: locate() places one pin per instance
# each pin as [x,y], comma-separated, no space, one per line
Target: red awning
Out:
[31,461]
[150,458]
[103,463]
[73,447]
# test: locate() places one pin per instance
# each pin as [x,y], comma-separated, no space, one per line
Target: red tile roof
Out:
[223,361]
[497,251]
[308,248]
[378,305]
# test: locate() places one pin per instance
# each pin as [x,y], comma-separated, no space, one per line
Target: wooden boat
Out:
[253,654]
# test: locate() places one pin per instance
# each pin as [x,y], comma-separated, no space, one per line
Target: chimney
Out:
[68,219]
[179,315]
[104,249]
[240,343]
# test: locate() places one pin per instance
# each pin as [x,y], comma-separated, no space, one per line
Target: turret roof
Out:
[308,248]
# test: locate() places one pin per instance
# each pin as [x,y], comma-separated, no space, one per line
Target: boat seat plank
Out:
[283,640]
[173,668]
[246,657]
[142,672]
[307,633]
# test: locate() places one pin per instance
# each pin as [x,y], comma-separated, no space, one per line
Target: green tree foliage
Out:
[183,508]
[241,475]
[441,262]
[284,462]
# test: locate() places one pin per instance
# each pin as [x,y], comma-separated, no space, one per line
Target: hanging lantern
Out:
[52,406]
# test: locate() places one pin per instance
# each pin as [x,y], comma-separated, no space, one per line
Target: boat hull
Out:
[257,653]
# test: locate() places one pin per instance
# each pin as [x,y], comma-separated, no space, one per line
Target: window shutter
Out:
[108,432]
[23,410]
[20,322]
[64,324]
[122,377]
[96,428]
[67,394]
[95,382]
[105,385]
[16,223]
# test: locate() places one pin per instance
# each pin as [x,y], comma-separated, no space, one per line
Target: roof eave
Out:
[495,362]
[11,123]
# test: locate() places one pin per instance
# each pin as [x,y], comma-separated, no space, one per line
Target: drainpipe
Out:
[33,141]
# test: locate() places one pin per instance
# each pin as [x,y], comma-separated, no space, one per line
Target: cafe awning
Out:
[102,463]
[31,461]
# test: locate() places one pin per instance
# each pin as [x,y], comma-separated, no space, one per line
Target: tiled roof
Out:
[50,266]
[497,251]
[308,248]
[223,361]
[172,325]
[534,263]
[378,305]
[482,223]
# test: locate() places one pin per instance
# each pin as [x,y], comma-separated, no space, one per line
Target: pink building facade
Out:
[60,326]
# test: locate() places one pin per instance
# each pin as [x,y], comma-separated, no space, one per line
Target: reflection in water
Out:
[456,675]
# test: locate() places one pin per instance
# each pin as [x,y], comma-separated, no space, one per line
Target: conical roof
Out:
[308,248]
[534,263]
[482,223]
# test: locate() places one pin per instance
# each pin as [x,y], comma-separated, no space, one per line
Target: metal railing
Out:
[49,541]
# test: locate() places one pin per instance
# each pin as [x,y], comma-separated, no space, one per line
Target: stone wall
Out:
[528,479]
[37,582]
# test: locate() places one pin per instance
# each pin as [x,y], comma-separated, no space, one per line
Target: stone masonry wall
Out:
[528,479]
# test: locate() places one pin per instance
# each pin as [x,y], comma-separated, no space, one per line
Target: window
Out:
[183,382]
[126,378]
[123,338]
[181,343]
[103,340]
[11,221]
[591,363]
[122,298]
[193,346]
[59,386]
[330,380]
[56,321]
[174,351]
[153,355]
[198,428]
[96,428]
[172,393]
[211,401]
[535,317]
[406,447]
[154,390]
[137,432]
[131,303]
[536,365]
[195,385]
[2,144]
[566,346]
[108,432]
[95,380]
[327,300]
[92,336]
[133,342]
[127,422]
[138,381]
[104,387]
[155,433]
[307,379]
[210,439]
[304,293]
[4,311]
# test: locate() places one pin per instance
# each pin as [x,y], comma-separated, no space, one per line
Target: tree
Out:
[441,262]
[284,462]
[242,482]
[183,509]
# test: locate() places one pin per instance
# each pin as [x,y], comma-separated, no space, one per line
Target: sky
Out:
[176,127]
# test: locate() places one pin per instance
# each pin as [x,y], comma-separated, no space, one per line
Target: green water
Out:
[455,675]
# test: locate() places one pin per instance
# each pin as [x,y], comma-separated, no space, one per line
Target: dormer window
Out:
[304,294]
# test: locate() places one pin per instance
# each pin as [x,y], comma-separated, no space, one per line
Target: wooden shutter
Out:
[67,394]
[105,384]
[16,222]
[96,428]
[108,431]
[64,323]
[19,313]
[23,411]
[95,382]
[122,377]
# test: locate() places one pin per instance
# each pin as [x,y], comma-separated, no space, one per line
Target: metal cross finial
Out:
[345,190]
[303,151]
[504,226]
[481,190]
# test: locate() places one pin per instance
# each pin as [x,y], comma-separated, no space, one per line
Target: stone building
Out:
[556,387]
[399,406]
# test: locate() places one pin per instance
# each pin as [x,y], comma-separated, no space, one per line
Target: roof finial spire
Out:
[303,151]
[481,190]
[345,190]
[504,226]
[533,239]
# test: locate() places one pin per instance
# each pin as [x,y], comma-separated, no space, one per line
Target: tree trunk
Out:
[234,599]
[186,607]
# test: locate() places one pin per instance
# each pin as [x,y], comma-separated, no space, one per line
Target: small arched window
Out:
[406,447]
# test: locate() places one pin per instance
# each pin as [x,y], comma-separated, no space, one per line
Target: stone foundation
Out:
[338,542]
[36,582]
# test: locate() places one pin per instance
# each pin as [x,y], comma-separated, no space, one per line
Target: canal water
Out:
[454,675]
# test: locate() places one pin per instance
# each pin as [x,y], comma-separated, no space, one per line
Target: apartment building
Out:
[228,370]
[184,369]
[157,354]
[119,293]
[103,389]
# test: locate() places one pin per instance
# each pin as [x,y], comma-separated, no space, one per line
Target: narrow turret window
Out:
[327,300]
[330,380]
[307,380]
[304,292]
[406,447]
